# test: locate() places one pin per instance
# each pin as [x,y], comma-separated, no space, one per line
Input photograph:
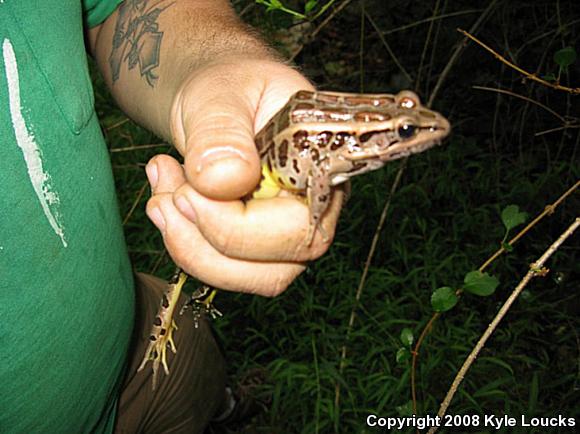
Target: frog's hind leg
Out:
[202,301]
[161,336]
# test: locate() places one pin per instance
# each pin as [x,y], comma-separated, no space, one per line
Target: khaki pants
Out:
[185,400]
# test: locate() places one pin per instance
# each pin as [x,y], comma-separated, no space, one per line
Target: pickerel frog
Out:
[316,141]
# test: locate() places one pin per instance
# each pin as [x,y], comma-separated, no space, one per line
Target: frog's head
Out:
[400,129]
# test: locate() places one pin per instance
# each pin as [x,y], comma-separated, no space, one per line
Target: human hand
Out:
[255,247]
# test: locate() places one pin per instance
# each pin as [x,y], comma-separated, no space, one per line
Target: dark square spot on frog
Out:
[284,119]
[314,155]
[323,138]
[300,138]
[340,139]
[259,141]
[357,166]
[283,153]
[269,133]
[295,165]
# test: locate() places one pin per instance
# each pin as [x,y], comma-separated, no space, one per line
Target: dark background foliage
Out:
[444,221]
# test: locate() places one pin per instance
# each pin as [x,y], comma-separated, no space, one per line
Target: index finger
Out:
[260,229]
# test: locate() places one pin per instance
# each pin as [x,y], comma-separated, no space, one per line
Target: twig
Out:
[415,354]
[138,147]
[323,24]
[135,202]
[525,98]
[388,48]
[426,45]
[549,209]
[536,269]
[438,85]
[458,51]
[363,278]
[430,19]
[116,125]
[533,77]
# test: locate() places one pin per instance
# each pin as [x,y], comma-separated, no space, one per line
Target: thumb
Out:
[215,116]
[213,127]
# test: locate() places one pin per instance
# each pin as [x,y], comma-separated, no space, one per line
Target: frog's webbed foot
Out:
[161,337]
[202,301]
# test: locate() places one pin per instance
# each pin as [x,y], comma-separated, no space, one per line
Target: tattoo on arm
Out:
[137,39]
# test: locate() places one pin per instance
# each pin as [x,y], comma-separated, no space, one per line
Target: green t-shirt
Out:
[66,289]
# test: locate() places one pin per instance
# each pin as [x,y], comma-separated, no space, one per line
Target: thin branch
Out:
[138,147]
[548,210]
[525,98]
[533,77]
[388,48]
[136,202]
[430,19]
[536,269]
[426,45]
[458,51]
[364,275]
[323,24]
[116,125]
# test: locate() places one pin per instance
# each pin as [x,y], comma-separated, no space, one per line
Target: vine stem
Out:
[549,209]
[536,269]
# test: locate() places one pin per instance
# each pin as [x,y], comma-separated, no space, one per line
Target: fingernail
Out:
[152,174]
[185,207]
[157,218]
[216,154]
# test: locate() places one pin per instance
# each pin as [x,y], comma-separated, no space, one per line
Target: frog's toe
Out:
[159,341]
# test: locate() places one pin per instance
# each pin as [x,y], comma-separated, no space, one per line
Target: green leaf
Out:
[309,6]
[407,337]
[443,299]
[511,216]
[403,354]
[565,57]
[479,283]
[549,77]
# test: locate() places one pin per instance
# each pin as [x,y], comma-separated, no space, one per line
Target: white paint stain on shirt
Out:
[39,178]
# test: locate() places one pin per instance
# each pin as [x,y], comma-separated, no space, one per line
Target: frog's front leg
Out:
[161,336]
[318,194]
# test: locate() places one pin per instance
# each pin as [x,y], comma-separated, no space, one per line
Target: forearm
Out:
[167,41]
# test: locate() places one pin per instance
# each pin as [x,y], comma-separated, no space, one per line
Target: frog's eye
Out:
[406,131]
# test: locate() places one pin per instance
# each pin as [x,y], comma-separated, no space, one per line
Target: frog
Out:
[317,141]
